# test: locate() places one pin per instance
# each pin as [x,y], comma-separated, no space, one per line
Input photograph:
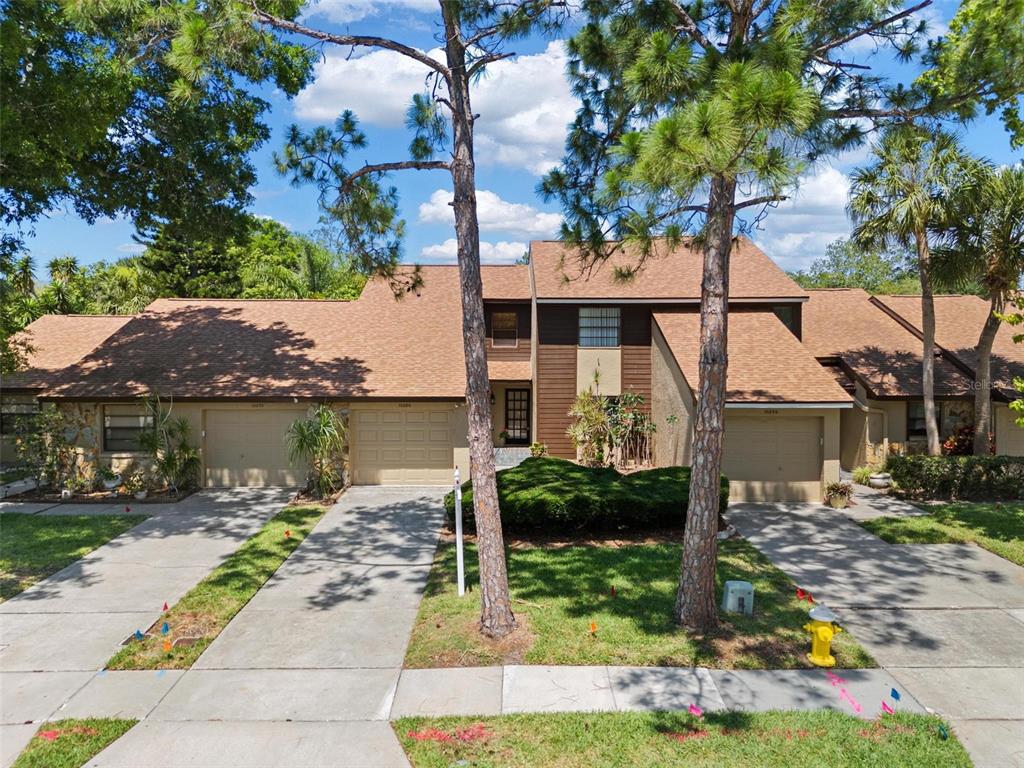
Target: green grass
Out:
[33,547]
[719,740]
[998,527]
[549,494]
[208,607]
[75,742]
[559,591]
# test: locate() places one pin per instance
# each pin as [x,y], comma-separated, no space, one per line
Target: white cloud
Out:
[494,214]
[524,103]
[796,233]
[345,11]
[490,253]
[132,248]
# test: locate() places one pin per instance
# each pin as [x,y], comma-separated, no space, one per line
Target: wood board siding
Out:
[557,335]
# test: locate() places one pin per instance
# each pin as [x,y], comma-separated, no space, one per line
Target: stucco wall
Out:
[1009,436]
[670,396]
[606,363]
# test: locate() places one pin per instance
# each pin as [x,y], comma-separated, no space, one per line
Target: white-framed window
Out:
[599,327]
[504,329]
[123,426]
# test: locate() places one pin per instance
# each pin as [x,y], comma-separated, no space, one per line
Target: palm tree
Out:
[318,441]
[894,202]
[982,241]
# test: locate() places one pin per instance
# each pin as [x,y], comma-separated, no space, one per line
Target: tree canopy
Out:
[848,265]
[96,115]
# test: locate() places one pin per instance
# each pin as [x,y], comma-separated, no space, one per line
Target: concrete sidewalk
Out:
[55,635]
[944,619]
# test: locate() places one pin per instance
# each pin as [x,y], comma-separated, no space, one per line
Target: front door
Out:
[517,416]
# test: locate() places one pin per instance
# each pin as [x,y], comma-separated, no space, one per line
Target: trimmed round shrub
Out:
[556,495]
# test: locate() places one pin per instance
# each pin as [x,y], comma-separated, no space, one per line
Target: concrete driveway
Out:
[306,673]
[945,620]
[57,634]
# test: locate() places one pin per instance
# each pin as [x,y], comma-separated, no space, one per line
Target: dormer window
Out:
[599,327]
[504,329]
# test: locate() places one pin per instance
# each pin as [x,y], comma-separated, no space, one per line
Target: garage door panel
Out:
[773,457]
[414,448]
[246,447]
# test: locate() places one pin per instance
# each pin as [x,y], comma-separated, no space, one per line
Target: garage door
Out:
[773,457]
[402,445]
[247,447]
[1009,436]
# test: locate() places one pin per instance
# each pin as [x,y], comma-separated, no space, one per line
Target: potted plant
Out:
[135,484]
[108,477]
[837,495]
[503,436]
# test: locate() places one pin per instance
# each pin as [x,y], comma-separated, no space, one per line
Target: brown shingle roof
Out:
[56,341]
[958,323]
[509,370]
[666,275]
[767,363]
[510,282]
[376,346]
[884,355]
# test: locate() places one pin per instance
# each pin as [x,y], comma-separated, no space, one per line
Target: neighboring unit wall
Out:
[853,436]
[671,396]
[1009,436]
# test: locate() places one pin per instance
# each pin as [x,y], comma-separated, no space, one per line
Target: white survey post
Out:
[459,564]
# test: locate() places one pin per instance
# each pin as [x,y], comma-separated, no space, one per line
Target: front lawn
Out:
[195,621]
[13,474]
[998,527]
[70,743]
[555,495]
[718,740]
[34,547]
[559,591]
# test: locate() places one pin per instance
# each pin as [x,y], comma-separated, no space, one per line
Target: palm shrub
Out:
[589,430]
[168,441]
[319,442]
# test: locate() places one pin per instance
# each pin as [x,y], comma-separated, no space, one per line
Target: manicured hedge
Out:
[553,495]
[959,477]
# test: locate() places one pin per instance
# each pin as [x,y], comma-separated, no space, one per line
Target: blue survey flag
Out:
[165,628]
[895,694]
[138,634]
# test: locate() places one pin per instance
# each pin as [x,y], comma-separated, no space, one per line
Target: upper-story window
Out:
[599,326]
[504,329]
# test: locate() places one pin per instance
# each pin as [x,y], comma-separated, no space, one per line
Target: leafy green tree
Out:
[848,265]
[277,264]
[184,265]
[16,294]
[123,287]
[693,113]
[982,240]
[895,201]
[96,114]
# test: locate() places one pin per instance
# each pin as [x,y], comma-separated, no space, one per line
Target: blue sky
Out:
[524,105]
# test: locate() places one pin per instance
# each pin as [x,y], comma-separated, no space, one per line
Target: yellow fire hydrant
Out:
[823,628]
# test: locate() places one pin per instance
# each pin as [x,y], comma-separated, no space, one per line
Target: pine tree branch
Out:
[838,64]
[871,28]
[485,60]
[401,165]
[689,26]
[762,200]
[365,41]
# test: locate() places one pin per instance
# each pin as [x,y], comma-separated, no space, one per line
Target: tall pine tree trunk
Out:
[496,619]
[931,421]
[695,600]
[983,382]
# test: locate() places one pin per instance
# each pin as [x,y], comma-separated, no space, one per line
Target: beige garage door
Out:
[247,447]
[1009,436]
[773,457]
[402,444]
